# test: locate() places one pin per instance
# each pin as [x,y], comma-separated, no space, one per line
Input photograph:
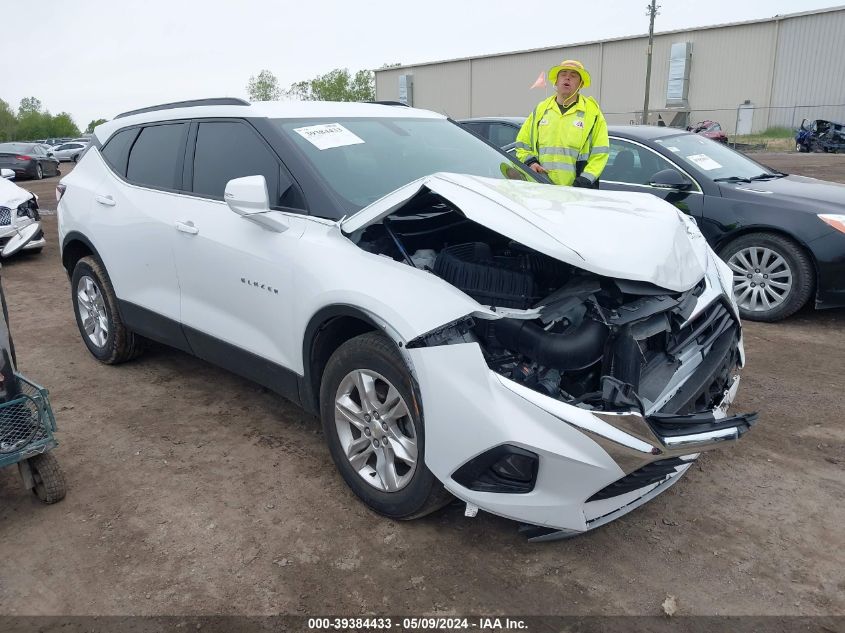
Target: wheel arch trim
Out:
[319,321]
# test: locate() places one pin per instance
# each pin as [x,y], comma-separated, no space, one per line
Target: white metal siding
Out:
[810,69]
[502,85]
[387,84]
[780,62]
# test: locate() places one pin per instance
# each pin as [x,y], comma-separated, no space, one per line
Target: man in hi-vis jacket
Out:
[565,136]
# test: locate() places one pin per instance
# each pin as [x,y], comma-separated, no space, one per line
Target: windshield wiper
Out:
[731,179]
[769,176]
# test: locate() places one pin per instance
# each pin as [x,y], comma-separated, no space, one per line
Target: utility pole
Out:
[652,11]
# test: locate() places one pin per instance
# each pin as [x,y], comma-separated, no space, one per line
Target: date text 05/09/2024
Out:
[417,624]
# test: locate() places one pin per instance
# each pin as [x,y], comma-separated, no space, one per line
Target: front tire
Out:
[75,158]
[97,316]
[373,425]
[773,276]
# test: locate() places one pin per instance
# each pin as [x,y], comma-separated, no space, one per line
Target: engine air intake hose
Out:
[577,348]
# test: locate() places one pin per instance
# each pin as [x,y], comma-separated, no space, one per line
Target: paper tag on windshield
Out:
[704,161]
[328,135]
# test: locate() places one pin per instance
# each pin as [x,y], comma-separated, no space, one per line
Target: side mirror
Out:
[7,173]
[248,198]
[49,154]
[670,179]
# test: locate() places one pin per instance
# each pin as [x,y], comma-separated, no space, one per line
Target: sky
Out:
[97,58]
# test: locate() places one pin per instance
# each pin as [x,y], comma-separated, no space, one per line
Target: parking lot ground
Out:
[192,491]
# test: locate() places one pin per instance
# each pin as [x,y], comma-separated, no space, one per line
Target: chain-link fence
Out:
[765,128]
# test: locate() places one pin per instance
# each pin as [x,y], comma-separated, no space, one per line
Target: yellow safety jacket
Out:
[567,145]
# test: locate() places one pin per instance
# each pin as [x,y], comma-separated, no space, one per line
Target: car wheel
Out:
[97,316]
[75,158]
[39,172]
[373,425]
[772,276]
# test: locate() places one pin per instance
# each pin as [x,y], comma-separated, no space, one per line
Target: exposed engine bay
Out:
[592,341]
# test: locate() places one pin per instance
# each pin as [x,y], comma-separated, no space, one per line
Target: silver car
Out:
[69,151]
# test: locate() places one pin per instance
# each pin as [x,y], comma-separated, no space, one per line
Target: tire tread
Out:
[126,345]
[376,344]
[51,475]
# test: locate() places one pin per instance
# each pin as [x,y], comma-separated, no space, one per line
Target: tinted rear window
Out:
[116,151]
[156,156]
[227,150]
[14,148]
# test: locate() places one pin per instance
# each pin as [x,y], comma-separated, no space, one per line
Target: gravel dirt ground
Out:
[192,491]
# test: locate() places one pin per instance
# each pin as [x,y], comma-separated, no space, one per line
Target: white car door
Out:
[137,204]
[235,276]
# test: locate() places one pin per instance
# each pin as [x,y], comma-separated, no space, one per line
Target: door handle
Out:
[187,227]
[105,200]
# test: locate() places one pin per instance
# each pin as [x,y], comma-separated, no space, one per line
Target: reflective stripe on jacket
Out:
[561,141]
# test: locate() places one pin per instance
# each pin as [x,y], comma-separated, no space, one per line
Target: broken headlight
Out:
[28,209]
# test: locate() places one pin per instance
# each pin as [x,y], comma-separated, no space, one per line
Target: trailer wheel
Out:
[49,479]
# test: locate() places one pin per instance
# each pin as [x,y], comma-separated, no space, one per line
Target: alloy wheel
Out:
[92,310]
[375,429]
[762,278]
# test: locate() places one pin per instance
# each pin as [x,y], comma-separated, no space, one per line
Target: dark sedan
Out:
[782,235]
[31,160]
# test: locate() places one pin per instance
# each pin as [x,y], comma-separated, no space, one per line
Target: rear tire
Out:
[355,428]
[97,314]
[39,171]
[761,259]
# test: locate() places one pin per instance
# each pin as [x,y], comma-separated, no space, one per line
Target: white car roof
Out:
[267,109]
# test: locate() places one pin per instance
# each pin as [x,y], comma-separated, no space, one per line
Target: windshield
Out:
[363,159]
[714,160]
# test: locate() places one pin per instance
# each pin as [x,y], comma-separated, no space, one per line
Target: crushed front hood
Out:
[624,235]
[11,195]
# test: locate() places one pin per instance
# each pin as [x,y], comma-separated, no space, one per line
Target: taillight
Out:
[23,157]
[60,191]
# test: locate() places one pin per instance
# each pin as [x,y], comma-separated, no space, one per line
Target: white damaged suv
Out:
[551,355]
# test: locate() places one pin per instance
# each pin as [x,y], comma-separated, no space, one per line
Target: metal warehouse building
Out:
[750,76]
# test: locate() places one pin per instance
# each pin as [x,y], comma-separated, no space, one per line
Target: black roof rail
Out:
[392,103]
[186,104]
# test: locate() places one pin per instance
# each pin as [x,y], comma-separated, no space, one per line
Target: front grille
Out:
[648,361]
[703,330]
[5,216]
[704,388]
[649,474]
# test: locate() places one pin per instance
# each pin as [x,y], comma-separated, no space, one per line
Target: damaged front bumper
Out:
[591,466]
[11,237]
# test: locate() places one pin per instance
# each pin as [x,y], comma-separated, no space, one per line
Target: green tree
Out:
[264,87]
[8,122]
[33,125]
[28,105]
[337,85]
[94,124]
[62,125]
